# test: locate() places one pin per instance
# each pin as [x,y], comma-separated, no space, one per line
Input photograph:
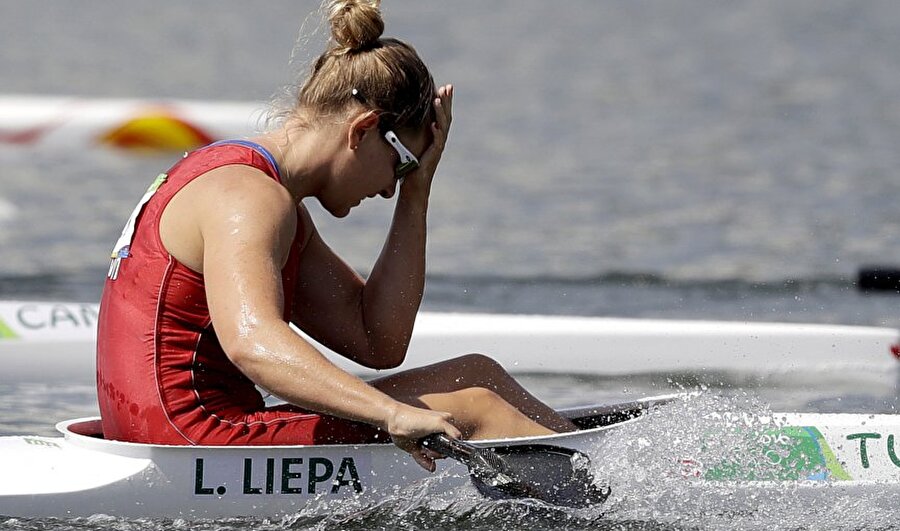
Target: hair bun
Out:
[355,24]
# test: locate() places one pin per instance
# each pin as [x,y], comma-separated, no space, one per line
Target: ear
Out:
[360,126]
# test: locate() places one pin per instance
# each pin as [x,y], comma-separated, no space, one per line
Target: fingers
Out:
[443,104]
[452,430]
[444,100]
[445,424]
[416,423]
[443,111]
[443,107]
[424,460]
[423,456]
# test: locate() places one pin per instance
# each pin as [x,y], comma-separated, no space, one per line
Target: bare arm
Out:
[371,321]
[247,223]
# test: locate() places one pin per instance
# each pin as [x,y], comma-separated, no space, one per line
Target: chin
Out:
[336,211]
[342,212]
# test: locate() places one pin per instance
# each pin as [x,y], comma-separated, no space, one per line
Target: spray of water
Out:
[713,461]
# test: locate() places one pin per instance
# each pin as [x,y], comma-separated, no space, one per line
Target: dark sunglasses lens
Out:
[404,168]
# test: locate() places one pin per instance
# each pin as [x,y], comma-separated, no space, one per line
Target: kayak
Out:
[55,341]
[81,473]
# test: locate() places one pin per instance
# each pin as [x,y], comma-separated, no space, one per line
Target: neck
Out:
[303,155]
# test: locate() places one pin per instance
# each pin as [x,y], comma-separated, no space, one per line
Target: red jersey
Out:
[162,376]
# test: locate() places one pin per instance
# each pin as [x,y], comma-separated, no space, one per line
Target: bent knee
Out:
[480,362]
[482,414]
[479,399]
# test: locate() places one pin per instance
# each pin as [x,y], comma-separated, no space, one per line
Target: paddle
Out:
[556,475]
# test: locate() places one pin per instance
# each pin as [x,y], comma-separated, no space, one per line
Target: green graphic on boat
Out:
[784,454]
[6,332]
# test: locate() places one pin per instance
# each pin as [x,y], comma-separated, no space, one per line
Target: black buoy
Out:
[879,278]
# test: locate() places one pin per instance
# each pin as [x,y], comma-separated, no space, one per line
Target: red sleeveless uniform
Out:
[162,376]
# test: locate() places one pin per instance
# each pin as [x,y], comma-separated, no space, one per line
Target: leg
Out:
[485,400]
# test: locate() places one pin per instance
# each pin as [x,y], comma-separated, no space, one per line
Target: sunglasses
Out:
[408,161]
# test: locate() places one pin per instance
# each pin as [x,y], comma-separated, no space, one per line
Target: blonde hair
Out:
[386,74]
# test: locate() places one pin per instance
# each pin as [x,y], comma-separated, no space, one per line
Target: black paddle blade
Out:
[556,475]
[553,474]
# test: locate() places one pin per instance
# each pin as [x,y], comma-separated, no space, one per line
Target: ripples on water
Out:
[640,159]
[728,141]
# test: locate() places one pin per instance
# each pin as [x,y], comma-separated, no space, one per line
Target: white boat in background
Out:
[128,125]
[55,341]
[82,474]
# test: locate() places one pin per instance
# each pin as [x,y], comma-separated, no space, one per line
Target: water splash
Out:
[666,469]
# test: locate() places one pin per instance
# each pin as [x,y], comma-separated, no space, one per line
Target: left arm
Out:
[371,321]
[368,321]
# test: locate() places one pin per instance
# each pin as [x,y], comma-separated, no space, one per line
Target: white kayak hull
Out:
[81,474]
[55,341]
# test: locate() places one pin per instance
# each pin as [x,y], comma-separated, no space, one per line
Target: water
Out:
[642,159]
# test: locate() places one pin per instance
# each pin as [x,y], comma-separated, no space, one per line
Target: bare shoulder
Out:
[228,206]
[241,199]
[242,187]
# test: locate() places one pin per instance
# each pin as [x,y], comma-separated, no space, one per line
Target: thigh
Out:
[475,389]
[478,412]
[471,370]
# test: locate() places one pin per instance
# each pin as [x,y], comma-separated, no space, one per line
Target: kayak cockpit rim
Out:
[87,432]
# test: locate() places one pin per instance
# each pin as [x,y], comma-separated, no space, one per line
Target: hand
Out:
[440,128]
[408,424]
